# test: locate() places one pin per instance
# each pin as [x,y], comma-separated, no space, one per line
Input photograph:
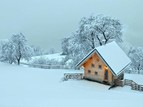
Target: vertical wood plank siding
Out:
[99,76]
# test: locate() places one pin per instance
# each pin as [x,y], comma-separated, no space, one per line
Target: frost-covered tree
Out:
[74,49]
[51,51]
[37,51]
[66,45]
[21,48]
[99,30]
[136,56]
[92,32]
[7,54]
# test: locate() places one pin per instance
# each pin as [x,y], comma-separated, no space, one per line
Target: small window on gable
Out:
[100,67]
[93,65]
[89,71]
[96,73]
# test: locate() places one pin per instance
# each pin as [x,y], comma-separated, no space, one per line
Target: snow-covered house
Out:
[105,64]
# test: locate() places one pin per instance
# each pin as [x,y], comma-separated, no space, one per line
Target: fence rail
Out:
[47,66]
[128,82]
[134,85]
[77,76]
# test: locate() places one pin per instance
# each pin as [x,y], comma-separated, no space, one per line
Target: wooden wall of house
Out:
[92,70]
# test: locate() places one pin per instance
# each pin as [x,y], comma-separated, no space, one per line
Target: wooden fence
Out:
[134,85]
[128,82]
[77,76]
[46,66]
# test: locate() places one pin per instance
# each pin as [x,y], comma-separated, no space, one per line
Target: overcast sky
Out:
[46,22]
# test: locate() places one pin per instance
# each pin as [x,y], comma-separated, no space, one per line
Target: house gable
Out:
[91,56]
[94,68]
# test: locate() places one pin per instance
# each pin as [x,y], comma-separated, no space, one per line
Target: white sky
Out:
[46,22]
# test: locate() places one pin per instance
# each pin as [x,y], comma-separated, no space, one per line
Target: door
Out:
[106,75]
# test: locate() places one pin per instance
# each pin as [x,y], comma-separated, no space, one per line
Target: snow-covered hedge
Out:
[51,63]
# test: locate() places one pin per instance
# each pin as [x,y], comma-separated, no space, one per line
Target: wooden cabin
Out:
[105,64]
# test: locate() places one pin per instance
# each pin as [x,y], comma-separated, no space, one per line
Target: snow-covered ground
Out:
[32,87]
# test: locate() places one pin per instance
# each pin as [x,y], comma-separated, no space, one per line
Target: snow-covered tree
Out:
[7,54]
[66,45]
[51,51]
[21,48]
[92,32]
[37,50]
[74,49]
[136,56]
[99,30]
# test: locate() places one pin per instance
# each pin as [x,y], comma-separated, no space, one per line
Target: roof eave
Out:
[105,62]
[123,69]
[84,59]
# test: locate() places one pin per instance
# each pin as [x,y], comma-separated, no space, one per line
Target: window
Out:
[89,71]
[96,73]
[93,65]
[106,74]
[100,67]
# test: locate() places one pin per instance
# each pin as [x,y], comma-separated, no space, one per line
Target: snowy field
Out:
[32,87]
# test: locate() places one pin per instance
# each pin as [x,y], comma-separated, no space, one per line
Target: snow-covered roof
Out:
[112,55]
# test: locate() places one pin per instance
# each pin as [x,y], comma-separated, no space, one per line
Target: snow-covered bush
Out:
[49,63]
[39,62]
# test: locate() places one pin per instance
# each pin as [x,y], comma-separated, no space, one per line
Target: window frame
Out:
[100,67]
[93,65]
[89,71]
[96,73]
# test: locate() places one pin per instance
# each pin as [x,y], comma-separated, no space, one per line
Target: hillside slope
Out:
[32,87]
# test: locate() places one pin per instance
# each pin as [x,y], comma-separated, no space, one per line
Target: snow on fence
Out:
[77,76]
[47,66]
[134,85]
[128,82]
[119,82]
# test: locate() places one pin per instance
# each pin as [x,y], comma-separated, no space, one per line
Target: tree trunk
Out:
[10,62]
[19,56]
[139,69]
[99,40]
[18,61]
[92,37]
[106,40]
